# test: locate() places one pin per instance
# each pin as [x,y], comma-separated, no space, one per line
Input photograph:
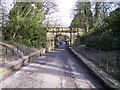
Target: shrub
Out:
[105,41]
[106,37]
[82,39]
[92,41]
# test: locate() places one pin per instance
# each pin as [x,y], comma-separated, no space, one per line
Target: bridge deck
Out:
[57,69]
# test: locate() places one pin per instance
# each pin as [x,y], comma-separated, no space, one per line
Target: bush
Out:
[106,37]
[82,39]
[92,41]
[105,41]
[113,22]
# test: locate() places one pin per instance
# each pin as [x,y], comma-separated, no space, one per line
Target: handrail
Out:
[14,49]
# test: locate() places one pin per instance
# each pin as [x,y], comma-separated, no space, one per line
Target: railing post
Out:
[13,51]
[5,50]
[17,48]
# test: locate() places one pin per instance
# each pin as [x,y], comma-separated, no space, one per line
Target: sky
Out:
[64,16]
[8,4]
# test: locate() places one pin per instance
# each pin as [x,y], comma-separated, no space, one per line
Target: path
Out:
[57,69]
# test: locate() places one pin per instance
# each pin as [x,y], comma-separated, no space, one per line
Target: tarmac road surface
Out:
[57,69]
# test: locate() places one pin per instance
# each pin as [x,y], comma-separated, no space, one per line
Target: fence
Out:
[17,64]
[108,61]
[8,54]
[13,52]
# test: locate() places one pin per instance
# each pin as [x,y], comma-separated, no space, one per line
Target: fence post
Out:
[118,62]
[107,65]
[22,48]
[5,50]
[17,48]
[13,51]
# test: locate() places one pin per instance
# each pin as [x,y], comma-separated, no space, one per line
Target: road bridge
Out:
[54,32]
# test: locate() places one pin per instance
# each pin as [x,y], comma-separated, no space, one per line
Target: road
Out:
[56,69]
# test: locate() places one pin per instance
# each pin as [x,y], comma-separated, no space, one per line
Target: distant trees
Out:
[106,37]
[51,7]
[83,18]
[87,17]
[101,25]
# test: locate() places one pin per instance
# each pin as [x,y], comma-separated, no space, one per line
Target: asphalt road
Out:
[56,69]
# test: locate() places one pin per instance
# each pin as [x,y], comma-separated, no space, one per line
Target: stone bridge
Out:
[54,32]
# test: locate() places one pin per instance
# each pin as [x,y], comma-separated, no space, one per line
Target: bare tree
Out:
[50,7]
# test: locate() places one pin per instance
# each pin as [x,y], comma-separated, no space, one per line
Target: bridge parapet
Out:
[64,29]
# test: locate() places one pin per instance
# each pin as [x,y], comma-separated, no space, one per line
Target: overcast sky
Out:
[65,9]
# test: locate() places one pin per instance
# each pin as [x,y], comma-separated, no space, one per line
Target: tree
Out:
[102,10]
[50,7]
[18,16]
[83,18]
[96,15]
[26,23]
[113,22]
[106,37]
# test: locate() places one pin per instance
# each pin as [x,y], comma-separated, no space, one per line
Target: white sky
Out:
[65,10]
[8,3]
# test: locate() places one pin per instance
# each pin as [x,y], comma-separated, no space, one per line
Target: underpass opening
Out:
[55,33]
[60,39]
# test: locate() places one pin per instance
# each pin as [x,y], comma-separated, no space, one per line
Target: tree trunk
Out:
[14,35]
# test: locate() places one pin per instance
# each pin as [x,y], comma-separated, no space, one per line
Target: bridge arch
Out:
[59,38]
[53,32]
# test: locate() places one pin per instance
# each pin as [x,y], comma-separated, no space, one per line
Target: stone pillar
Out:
[50,41]
[47,43]
[48,46]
